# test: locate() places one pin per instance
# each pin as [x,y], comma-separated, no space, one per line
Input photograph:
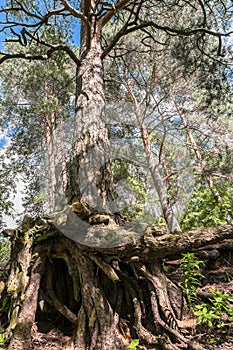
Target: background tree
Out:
[173,105]
[5,190]
[36,99]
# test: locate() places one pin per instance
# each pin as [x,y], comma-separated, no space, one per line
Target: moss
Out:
[46,235]
[14,318]
[92,318]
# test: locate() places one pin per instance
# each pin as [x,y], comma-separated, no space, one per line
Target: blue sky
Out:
[2,36]
[1,39]
[3,141]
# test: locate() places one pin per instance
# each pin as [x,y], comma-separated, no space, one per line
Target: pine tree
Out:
[111,290]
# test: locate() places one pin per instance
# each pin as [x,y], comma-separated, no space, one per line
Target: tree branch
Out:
[172,31]
[43,57]
[107,17]
[21,8]
[184,32]
[74,12]
[42,19]
[116,38]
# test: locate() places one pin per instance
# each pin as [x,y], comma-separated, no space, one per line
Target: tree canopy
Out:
[173,56]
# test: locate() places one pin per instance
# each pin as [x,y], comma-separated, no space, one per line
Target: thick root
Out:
[104,297]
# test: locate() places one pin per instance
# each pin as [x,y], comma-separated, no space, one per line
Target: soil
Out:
[52,340]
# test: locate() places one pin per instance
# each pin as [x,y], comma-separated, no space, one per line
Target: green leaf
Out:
[134,343]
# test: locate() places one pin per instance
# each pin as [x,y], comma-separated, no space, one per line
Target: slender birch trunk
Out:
[199,157]
[51,146]
[154,168]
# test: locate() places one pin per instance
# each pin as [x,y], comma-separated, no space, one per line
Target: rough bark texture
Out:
[104,297]
[89,169]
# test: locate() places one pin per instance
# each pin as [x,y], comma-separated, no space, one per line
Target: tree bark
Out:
[108,295]
[51,150]
[90,179]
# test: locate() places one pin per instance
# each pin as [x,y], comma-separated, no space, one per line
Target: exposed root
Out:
[58,305]
[101,322]
[104,298]
[161,306]
[21,338]
[139,310]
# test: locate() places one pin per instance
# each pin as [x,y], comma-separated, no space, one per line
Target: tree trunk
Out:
[105,297]
[90,178]
[196,149]
[154,167]
[159,184]
[51,150]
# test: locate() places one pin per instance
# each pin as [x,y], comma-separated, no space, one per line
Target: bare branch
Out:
[74,12]
[42,19]
[8,56]
[54,12]
[21,8]
[107,17]
[184,32]
[116,38]
[204,12]
[42,57]
[172,31]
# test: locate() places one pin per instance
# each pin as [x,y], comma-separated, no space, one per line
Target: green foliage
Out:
[5,248]
[205,314]
[219,304]
[7,187]
[133,345]
[191,276]
[203,210]
[130,188]
[222,302]
[47,90]
[2,338]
